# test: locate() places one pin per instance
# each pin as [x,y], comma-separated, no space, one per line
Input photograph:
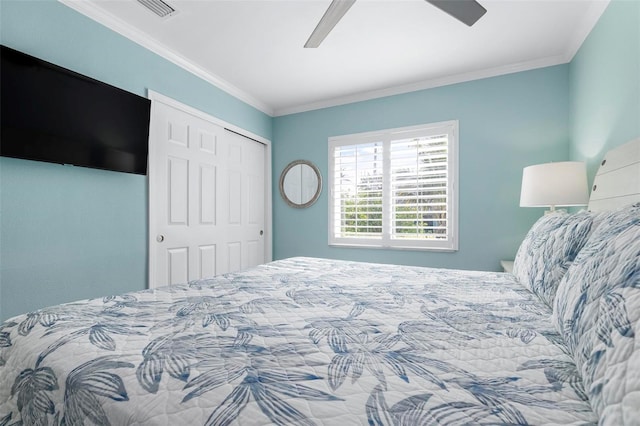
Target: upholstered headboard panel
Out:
[617,182]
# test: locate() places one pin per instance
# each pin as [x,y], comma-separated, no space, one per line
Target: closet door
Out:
[242,230]
[206,198]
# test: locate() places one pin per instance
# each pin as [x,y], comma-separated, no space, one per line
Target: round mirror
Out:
[300,184]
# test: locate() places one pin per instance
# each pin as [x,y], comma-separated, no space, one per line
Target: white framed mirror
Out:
[300,184]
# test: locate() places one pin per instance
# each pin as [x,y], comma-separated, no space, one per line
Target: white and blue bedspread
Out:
[300,341]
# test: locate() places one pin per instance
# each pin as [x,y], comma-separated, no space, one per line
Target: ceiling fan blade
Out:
[334,13]
[466,11]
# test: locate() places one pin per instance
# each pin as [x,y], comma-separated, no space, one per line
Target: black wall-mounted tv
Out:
[52,114]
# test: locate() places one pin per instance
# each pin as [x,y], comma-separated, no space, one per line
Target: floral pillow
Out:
[597,310]
[548,249]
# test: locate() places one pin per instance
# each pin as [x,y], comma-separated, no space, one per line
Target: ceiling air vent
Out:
[159,7]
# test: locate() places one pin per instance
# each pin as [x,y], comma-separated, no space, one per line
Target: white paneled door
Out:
[206,198]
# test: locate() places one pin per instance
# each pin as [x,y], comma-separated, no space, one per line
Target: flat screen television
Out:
[52,114]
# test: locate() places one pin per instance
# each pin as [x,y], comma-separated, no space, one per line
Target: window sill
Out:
[402,248]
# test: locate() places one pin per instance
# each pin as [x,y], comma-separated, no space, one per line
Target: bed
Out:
[308,341]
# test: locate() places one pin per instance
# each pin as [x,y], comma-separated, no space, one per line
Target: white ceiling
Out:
[253,49]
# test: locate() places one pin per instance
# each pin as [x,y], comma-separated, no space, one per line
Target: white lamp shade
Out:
[555,184]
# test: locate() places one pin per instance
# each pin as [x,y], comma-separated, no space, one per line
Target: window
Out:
[395,188]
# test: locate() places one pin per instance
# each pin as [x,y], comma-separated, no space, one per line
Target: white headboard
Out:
[617,182]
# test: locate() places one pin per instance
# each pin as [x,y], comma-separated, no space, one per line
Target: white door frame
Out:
[156,97]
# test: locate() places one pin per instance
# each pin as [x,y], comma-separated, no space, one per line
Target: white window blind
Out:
[395,188]
[358,186]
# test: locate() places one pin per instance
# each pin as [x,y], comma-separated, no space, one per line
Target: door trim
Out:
[156,98]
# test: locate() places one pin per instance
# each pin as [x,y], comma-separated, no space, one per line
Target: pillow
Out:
[548,249]
[597,311]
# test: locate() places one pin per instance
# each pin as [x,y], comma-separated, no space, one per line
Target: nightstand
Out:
[507,265]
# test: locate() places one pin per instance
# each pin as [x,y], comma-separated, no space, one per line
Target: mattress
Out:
[297,341]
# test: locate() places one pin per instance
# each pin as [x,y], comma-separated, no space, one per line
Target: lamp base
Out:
[552,211]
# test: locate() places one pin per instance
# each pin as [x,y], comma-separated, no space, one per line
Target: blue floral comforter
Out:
[299,341]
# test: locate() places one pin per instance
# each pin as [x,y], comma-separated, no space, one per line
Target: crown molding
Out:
[591,18]
[595,11]
[88,9]
[426,84]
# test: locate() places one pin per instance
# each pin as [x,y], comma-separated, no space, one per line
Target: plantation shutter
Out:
[395,188]
[419,187]
[358,190]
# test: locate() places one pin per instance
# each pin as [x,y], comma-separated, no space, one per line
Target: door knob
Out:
[261,232]
[160,238]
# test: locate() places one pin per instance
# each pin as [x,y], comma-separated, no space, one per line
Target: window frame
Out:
[386,136]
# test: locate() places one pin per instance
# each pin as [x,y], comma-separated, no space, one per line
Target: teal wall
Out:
[605,85]
[70,232]
[505,123]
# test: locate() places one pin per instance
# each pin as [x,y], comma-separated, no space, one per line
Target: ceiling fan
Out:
[466,11]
